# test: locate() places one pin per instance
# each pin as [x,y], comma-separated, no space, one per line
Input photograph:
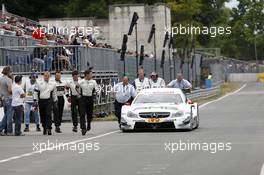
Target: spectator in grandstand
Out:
[18,96]
[38,58]
[29,87]
[19,32]
[48,58]
[62,61]
[86,42]
[6,96]
[76,39]
[91,39]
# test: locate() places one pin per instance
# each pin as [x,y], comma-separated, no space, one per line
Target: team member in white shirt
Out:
[180,83]
[123,93]
[74,98]
[18,95]
[155,81]
[141,82]
[29,87]
[45,93]
[59,105]
[87,88]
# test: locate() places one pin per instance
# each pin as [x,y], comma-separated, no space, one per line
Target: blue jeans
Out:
[48,61]
[27,114]
[6,123]
[38,63]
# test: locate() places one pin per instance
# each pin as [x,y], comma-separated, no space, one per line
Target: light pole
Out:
[255,49]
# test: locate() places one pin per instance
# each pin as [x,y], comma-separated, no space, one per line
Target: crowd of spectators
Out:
[47,58]
[14,25]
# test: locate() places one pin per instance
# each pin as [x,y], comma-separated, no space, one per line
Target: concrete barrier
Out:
[243,77]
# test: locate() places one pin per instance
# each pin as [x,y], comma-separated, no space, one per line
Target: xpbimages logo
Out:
[188,29]
[63,30]
[80,147]
[213,147]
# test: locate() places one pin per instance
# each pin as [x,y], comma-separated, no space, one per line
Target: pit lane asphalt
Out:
[237,119]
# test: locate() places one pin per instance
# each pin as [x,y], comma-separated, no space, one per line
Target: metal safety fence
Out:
[205,93]
[9,40]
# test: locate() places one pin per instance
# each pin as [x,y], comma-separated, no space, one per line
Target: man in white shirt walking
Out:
[58,106]
[87,88]
[45,93]
[74,98]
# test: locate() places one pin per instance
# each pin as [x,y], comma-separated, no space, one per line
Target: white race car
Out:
[160,108]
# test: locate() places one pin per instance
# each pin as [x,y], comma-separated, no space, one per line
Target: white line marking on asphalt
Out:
[262,170]
[148,172]
[205,104]
[50,149]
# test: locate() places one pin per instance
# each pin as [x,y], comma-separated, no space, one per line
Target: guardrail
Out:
[205,93]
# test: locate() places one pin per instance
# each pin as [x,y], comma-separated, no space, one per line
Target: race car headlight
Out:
[177,114]
[131,114]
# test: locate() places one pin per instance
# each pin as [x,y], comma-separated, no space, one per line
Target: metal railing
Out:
[204,93]
[9,40]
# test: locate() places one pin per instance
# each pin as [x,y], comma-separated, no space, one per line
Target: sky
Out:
[232,3]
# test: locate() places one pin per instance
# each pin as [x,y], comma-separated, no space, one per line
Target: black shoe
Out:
[38,129]
[49,132]
[10,134]
[44,131]
[26,129]
[57,130]
[19,134]
[74,129]
[88,126]
[84,131]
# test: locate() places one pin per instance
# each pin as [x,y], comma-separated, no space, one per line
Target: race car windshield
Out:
[159,98]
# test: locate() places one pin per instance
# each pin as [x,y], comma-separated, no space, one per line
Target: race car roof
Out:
[161,90]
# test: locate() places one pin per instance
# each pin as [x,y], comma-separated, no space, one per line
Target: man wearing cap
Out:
[155,81]
[141,82]
[29,87]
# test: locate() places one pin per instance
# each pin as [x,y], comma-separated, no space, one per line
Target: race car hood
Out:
[160,107]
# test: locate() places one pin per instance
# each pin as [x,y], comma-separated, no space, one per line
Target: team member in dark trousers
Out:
[74,98]
[87,88]
[59,105]
[123,93]
[18,104]
[45,92]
